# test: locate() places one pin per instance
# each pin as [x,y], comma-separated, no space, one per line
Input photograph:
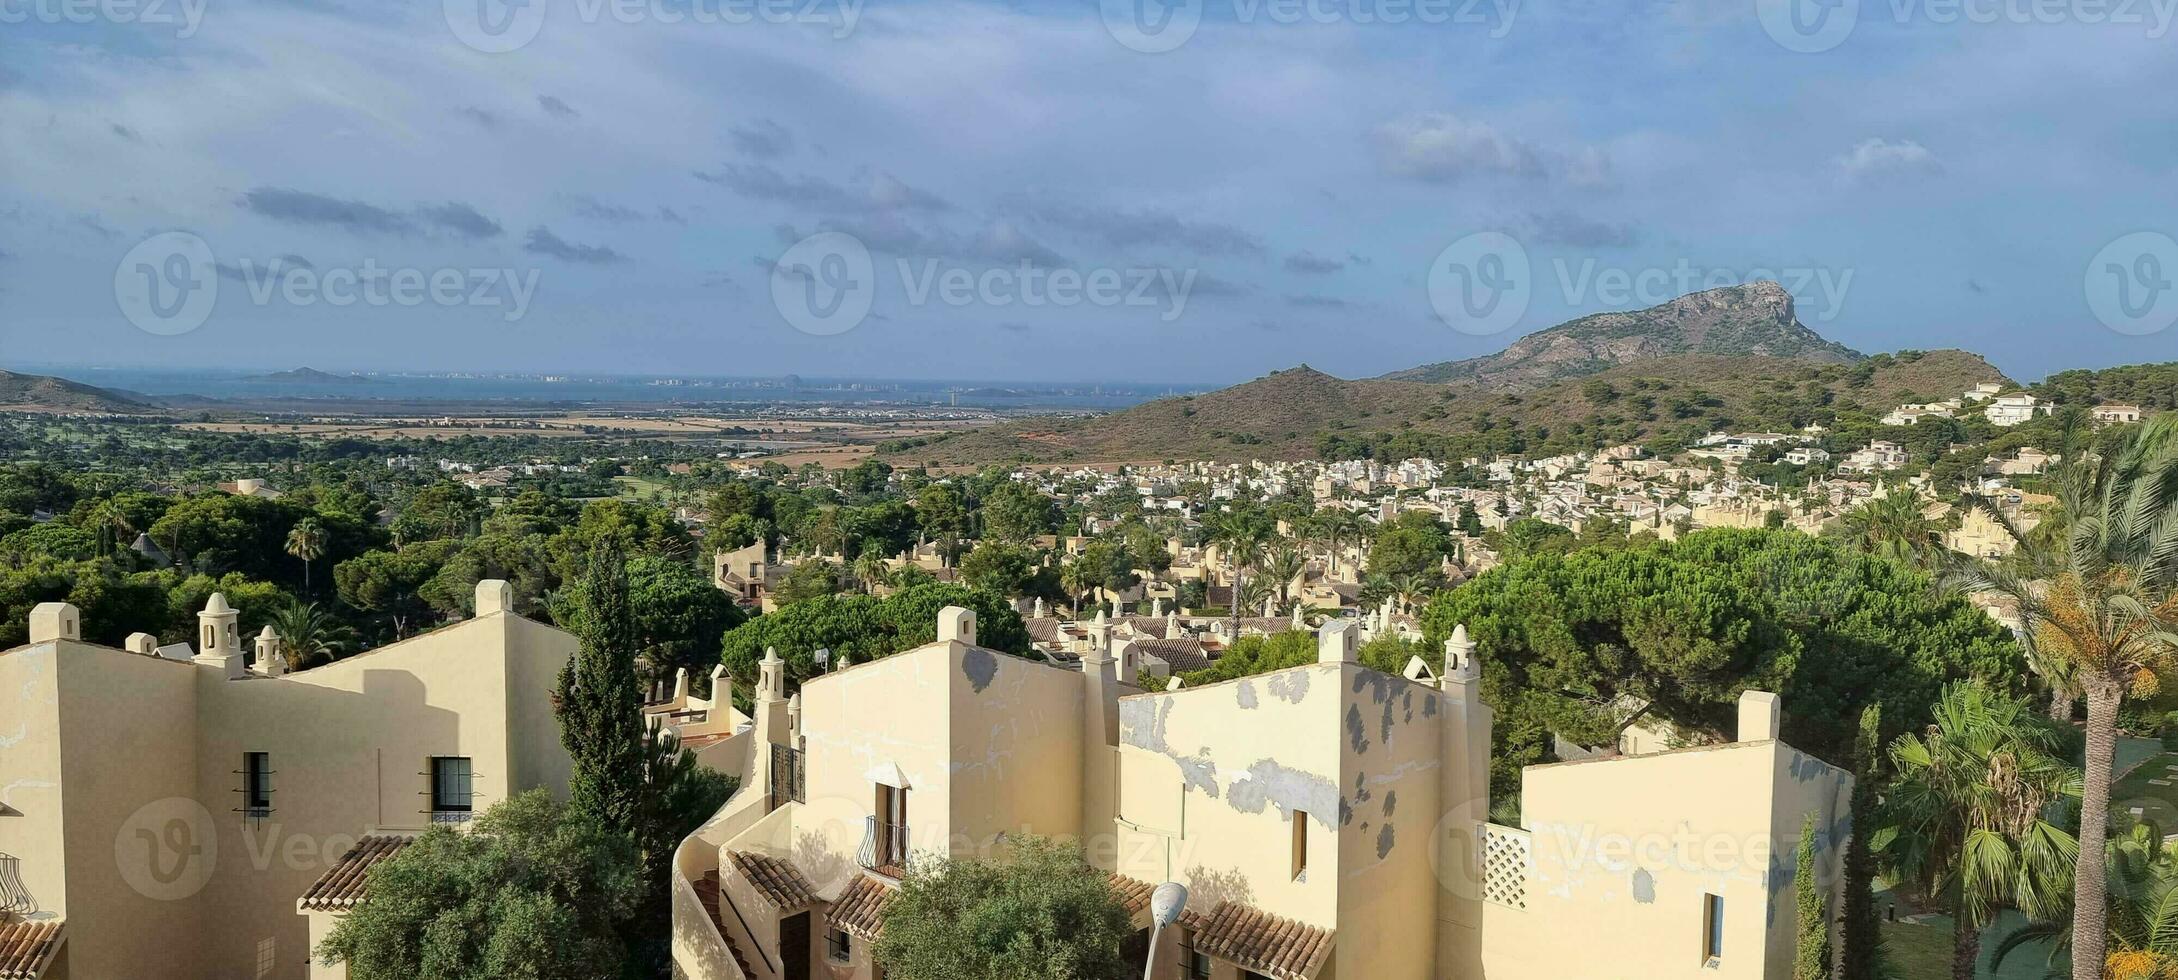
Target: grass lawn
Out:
[637,488]
[2138,789]
[1922,950]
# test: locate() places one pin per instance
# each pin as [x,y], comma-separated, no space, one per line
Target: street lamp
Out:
[1166,904]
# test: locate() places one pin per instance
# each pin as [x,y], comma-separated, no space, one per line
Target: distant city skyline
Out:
[611,193]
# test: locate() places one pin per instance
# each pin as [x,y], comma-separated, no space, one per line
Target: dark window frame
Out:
[452,790]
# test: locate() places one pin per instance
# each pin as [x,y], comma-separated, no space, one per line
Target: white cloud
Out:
[1875,159]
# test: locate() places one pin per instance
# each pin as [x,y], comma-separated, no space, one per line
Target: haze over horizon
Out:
[1927,184]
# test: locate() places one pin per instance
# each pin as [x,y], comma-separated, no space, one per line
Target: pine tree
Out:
[600,701]
[1811,958]
[1861,935]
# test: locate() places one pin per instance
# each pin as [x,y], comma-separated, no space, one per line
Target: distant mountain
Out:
[1726,358]
[41,393]
[304,375]
[1755,319]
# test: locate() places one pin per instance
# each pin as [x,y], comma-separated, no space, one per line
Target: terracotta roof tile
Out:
[1133,893]
[1258,941]
[860,910]
[777,881]
[339,889]
[27,947]
[1183,654]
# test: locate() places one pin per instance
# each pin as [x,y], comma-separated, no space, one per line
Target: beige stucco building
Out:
[1330,821]
[165,817]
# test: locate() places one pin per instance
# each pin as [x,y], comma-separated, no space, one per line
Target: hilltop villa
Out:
[1329,820]
[183,814]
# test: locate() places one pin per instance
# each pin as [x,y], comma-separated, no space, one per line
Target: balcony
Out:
[884,848]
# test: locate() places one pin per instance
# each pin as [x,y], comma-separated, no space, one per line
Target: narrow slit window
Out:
[256,785]
[1300,845]
[1712,929]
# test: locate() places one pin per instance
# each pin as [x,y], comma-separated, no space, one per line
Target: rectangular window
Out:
[1712,929]
[452,795]
[1194,963]
[839,946]
[256,785]
[1300,845]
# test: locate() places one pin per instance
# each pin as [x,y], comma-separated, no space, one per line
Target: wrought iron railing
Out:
[884,846]
[15,897]
[789,777]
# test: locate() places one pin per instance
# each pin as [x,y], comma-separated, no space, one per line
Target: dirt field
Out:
[831,443]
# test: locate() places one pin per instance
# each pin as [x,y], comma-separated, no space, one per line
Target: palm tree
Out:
[1411,586]
[870,570]
[309,635]
[2100,616]
[113,519]
[306,540]
[1242,532]
[1895,526]
[1965,815]
[1078,578]
[2143,917]
[1282,565]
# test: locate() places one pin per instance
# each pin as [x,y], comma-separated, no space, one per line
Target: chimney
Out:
[270,662]
[54,621]
[1100,741]
[680,687]
[1761,716]
[143,643]
[1338,642]
[1464,732]
[1460,664]
[771,699]
[957,624]
[722,688]
[494,596]
[219,638]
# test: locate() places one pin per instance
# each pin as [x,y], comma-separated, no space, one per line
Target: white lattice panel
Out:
[1506,856]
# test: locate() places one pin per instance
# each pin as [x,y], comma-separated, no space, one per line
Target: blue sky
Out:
[1921,184]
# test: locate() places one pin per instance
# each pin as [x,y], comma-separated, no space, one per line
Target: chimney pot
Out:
[1761,716]
[51,621]
[957,623]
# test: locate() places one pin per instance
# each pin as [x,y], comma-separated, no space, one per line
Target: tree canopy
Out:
[1579,644]
[1044,914]
[533,891]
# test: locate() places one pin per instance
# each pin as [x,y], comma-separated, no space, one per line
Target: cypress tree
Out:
[600,701]
[1861,934]
[1811,955]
